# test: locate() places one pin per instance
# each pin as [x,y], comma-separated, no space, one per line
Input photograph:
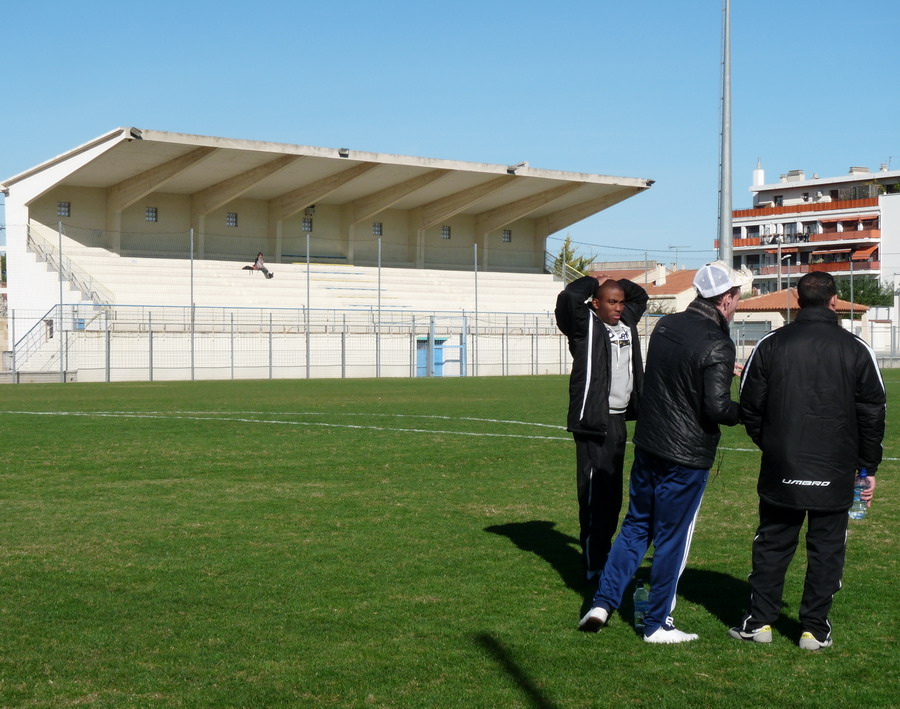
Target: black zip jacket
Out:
[687,387]
[589,344]
[813,400]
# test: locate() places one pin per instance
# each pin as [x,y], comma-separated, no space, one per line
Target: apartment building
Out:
[848,226]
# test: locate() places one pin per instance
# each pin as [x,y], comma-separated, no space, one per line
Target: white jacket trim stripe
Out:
[750,359]
[590,361]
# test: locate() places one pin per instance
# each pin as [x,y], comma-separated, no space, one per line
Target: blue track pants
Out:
[664,501]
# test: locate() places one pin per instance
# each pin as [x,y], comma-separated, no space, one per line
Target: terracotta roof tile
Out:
[631,275]
[777,300]
[677,282]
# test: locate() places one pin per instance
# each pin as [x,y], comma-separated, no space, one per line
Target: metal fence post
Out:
[429,360]
[150,340]
[413,351]
[15,378]
[343,345]
[270,345]
[231,344]
[504,348]
[563,349]
[307,338]
[463,348]
[108,347]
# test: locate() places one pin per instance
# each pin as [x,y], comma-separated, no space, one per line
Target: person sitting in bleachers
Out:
[259,265]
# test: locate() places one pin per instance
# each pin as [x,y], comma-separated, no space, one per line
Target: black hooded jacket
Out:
[687,387]
[589,344]
[813,400]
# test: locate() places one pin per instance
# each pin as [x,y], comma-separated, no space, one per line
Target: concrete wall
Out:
[889,253]
[333,237]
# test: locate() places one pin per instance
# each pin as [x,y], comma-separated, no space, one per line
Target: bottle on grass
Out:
[641,600]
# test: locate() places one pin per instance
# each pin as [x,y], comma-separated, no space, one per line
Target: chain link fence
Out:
[128,343]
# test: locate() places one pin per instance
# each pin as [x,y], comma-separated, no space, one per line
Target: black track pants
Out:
[774,547]
[600,460]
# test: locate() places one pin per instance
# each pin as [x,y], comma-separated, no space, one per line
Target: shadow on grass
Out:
[726,598]
[503,658]
[559,550]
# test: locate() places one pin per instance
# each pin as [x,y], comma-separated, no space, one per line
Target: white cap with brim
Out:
[717,277]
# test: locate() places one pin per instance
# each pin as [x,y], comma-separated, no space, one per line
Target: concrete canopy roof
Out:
[133,162]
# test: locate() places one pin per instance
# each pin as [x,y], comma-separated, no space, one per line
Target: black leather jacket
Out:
[589,344]
[687,387]
[813,400]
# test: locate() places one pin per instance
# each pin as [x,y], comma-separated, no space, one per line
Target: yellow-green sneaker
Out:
[808,642]
[762,634]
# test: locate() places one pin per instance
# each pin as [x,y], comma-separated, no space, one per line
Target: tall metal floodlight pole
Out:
[193,312]
[307,307]
[378,324]
[725,166]
[59,313]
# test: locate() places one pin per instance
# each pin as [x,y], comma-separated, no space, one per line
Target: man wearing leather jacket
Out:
[686,396]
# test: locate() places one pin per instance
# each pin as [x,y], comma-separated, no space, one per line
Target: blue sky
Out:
[591,86]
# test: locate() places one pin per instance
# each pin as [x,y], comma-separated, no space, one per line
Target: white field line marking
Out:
[126,414]
[353,413]
[216,416]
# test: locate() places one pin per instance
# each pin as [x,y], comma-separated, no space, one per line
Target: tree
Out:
[867,290]
[568,265]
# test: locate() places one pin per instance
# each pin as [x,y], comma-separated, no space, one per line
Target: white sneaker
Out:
[593,620]
[661,635]
[808,642]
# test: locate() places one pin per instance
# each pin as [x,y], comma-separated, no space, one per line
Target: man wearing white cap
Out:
[686,396]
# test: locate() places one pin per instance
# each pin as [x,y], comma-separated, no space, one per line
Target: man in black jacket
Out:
[686,395]
[599,316]
[813,400]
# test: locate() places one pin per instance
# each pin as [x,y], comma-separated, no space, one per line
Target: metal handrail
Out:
[31,341]
[77,276]
[563,271]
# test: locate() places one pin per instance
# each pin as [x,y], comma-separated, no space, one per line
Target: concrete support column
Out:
[420,248]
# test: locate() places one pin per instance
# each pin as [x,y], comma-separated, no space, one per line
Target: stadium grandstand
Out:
[128,259]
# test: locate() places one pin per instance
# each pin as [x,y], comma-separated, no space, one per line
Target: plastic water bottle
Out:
[859,508]
[641,600]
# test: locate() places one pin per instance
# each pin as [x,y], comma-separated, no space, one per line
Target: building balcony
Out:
[844,266]
[844,235]
[801,208]
[771,242]
[773,270]
[866,267]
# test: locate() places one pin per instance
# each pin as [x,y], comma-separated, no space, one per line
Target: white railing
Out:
[563,271]
[90,287]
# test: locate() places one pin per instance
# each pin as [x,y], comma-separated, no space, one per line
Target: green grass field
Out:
[389,543]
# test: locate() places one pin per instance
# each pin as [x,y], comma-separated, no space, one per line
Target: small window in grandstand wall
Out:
[231,219]
[151,214]
[507,236]
[307,224]
[445,232]
[376,229]
[63,209]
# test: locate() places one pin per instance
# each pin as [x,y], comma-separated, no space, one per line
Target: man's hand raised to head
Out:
[601,277]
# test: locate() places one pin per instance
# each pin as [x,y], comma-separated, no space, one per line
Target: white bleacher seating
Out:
[167,281]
